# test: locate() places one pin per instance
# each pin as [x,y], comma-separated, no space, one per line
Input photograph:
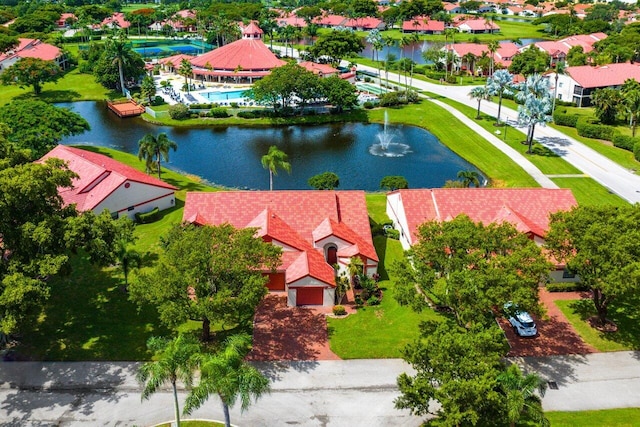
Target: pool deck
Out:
[177,82]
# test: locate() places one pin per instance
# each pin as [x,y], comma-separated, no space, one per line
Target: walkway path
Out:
[611,175]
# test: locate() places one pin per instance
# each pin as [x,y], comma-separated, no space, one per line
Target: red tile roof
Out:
[116,20]
[527,208]
[98,176]
[478,24]
[32,48]
[245,54]
[296,219]
[604,76]
[315,68]
[422,23]
[329,20]
[366,23]
[175,60]
[554,48]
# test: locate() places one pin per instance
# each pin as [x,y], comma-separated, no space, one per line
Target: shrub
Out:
[368,105]
[339,310]
[590,130]
[625,142]
[158,100]
[148,217]
[390,99]
[358,300]
[393,234]
[233,104]
[367,79]
[636,151]
[565,119]
[452,79]
[373,301]
[178,111]
[412,97]
[218,113]
[565,287]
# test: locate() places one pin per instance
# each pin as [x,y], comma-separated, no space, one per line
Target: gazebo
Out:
[241,61]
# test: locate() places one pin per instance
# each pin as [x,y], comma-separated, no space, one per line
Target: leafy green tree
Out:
[393,182]
[174,360]
[38,126]
[601,244]
[340,93]
[337,45]
[479,93]
[7,42]
[191,281]
[469,177]
[530,61]
[153,150]
[576,56]
[520,395]
[148,88]
[471,268]
[457,368]
[281,85]
[325,181]
[227,375]
[631,102]
[275,159]
[31,72]
[607,103]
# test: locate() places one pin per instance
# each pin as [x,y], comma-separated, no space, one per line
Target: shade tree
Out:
[32,72]
[325,181]
[336,45]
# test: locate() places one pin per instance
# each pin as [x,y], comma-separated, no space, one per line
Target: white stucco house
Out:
[316,231]
[106,184]
[528,209]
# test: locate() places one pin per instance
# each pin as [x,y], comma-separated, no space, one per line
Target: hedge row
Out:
[566,287]
[148,217]
[591,130]
[625,142]
[565,119]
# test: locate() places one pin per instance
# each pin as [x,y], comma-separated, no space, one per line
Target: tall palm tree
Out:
[274,160]
[153,150]
[479,93]
[127,258]
[560,69]
[449,32]
[228,375]
[469,177]
[520,395]
[175,360]
[120,54]
[469,58]
[185,70]
[493,47]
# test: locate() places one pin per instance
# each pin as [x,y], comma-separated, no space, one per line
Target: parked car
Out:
[521,321]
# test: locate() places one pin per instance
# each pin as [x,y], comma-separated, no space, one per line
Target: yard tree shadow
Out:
[51,96]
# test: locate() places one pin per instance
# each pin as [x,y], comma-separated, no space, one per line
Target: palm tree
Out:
[499,84]
[127,258]
[175,360]
[560,69]
[520,397]
[469,58]
[469,177]
[120,54]
[493,47]
[153,150]
[228,375]
[449,32]
[274,160]
[374,38]
[186,70]
[479,93]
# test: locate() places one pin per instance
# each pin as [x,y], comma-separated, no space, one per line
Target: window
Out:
[560,84]
[114,215]
[130,208]
[332,255]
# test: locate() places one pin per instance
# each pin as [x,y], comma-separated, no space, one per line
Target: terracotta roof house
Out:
[578,83]
[315,229]
[477,26]
[246,59]
[117,20]
[365,24]
[65,18]
[528,209]
[330,21]
[292,20]
[453,8]
[172,63]
[106,184]
[559,49]
[422,25]
[502,57]
[33,48]
[322,70]
[183,20]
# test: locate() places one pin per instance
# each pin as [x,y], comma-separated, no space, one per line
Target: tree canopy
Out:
[207,274]
[39,126]
[31,72]
[530,61]
[336,45]
[325,181]
[471,268]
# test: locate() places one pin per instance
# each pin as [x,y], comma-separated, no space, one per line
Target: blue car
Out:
[520,320]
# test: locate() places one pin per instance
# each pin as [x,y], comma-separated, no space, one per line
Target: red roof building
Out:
[322,70]
[315,229]
[106,184]
[243,60]
[364,24]
[477,26]
[117,20]
[528,209]
[33,48]
[502,57]
[422,25]
[330,21]
[559,49]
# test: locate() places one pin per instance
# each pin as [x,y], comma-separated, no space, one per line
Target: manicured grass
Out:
[589,192]
[382,331]
[548,163]
[497,166]
[626,417]
[377,207]
[624,312]
[127,8]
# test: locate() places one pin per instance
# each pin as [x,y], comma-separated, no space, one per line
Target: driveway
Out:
[556,336]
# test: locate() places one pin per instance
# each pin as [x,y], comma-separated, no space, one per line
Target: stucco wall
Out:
[141,197]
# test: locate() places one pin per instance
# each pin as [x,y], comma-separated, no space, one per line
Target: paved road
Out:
[304,394]
[611,175]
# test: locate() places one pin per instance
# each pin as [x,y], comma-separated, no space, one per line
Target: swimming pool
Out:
[370,88]
[223,96]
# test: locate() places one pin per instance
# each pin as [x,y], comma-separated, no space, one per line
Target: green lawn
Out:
[378,332]
[624,312]
[128,8]
[627,417]
[589,192]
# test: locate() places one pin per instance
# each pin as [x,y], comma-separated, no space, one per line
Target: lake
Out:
[230,156]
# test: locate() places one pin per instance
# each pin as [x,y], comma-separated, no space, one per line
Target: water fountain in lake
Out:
[385,146]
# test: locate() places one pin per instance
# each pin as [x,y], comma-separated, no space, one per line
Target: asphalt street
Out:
[306,394]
